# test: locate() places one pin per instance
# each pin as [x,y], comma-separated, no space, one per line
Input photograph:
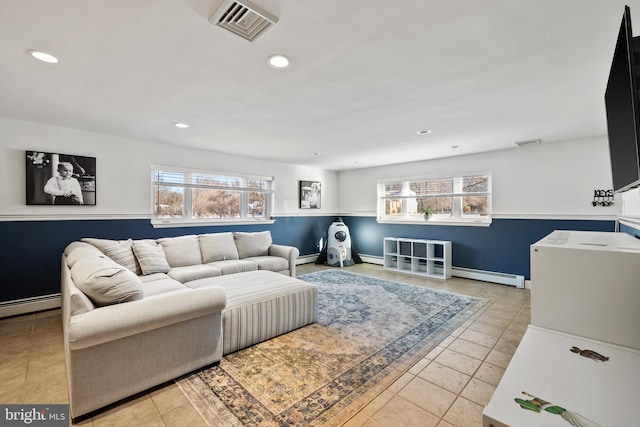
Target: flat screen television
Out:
[621,102]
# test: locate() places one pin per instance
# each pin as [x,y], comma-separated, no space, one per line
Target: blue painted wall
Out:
[30,255]
[503,247]
[31,250]
[630,230]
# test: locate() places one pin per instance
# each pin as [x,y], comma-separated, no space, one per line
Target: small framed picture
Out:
[60,179]
[310,194]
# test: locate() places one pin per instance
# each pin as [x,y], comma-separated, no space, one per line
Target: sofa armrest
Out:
[117,321]
[291,253]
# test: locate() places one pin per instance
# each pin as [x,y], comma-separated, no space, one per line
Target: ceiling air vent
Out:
[243,18]
[528,142]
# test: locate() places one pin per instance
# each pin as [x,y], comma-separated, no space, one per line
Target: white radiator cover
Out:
[489,276]
[29,305]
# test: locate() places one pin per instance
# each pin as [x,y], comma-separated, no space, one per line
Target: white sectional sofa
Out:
[137,313]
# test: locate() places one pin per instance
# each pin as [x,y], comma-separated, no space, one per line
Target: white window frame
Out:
[418,218]
[188,220]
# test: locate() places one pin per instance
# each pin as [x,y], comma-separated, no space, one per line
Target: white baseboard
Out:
[307,259]
[372,259]
[29,305]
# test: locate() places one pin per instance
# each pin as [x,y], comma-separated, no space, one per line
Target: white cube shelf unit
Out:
[429,258]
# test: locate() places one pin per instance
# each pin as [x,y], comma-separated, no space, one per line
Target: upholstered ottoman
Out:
[261,305]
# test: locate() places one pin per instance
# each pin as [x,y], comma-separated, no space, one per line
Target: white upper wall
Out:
[123,172]
[544,180]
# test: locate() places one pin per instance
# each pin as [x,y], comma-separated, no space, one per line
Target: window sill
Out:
[459,223]
[158,223]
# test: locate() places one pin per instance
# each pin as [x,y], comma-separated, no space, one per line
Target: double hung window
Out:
[462,199]
[198,197]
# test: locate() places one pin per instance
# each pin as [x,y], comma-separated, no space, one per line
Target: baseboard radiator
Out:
[29,305]
[466,273]
[489,276]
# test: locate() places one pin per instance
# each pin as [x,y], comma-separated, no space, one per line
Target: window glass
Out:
[446,199]
[393,207]
[209,203]
[168,202]
[181,195]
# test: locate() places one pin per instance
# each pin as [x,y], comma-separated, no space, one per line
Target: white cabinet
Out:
[429,258]
[587,283]
[585,291]
[544,366]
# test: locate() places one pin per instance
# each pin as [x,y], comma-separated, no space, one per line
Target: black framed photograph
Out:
[310,194]
[60,179]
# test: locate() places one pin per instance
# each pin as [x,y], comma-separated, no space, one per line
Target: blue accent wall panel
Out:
[503,247]
[630,230]
[30,255]
[31,250]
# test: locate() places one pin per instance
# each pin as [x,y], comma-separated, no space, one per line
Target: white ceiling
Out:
[366,75]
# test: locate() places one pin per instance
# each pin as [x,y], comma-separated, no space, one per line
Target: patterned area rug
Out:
[369,332]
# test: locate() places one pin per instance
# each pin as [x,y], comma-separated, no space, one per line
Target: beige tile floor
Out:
[448,387]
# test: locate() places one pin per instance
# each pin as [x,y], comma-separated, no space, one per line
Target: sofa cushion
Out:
[193,272]
[121,251]
[80,253]
[150,256]
[153,277]
[271,263]
[181,251]
[161,286]
[106,282]
[78,302]
[80,245]
[99,243]
[252,244]
[233,266]
[217,247]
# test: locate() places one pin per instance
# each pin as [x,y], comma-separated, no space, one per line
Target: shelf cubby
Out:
[429,258]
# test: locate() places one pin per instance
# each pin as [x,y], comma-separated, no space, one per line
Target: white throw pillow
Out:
[121,251]
[150,256]
[252,244]
[80,253]
[106,282]
[217,247]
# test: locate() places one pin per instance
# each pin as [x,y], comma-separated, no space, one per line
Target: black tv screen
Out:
[621,102]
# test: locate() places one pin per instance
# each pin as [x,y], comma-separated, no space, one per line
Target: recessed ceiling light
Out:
[455,146]
[424,132]
[278,61]
[181,125]
[43,56]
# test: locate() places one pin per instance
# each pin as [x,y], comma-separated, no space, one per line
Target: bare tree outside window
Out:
[168,202]
[196,196]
